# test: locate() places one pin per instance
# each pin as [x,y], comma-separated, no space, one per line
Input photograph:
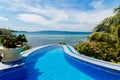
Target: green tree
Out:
[104,42]
[108,31]
[117,9]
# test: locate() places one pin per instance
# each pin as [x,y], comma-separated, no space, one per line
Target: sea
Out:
[38,39]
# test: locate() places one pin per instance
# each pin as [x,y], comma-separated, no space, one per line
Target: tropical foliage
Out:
[104,42]
[108,31]
[8,40]
[109,24]
[62,43]
[99,51]
[13,41]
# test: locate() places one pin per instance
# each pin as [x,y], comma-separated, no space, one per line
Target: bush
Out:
[98,50]
[26,47]
[62,43]
[15,41]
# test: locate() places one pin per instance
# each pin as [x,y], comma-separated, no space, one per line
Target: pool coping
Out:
[91,60]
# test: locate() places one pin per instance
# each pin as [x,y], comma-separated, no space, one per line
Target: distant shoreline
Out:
[53,32]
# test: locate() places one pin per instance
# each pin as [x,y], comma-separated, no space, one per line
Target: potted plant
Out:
[12,46]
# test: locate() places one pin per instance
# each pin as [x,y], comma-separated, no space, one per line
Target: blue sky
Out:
[65,15]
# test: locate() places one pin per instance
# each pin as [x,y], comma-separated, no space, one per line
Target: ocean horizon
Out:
[36,39]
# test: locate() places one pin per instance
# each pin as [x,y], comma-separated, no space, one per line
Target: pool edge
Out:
[73,53]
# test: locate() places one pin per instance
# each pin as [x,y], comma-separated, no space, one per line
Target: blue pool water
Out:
[52,65]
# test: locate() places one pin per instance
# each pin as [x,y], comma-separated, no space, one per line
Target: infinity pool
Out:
[52,63]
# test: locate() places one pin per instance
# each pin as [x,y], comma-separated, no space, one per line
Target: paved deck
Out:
[11,64]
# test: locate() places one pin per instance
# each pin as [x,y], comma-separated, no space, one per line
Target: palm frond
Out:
[117,9]
[106,24]
[103,37]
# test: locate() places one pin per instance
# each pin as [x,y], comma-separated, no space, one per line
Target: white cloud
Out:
[3,18]
[92,17]
[97,4]
[72,19]
[59,19]
[33,18]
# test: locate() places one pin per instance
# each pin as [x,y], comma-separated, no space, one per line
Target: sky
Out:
[62,15]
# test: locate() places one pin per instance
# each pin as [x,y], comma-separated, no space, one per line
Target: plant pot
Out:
[11,54]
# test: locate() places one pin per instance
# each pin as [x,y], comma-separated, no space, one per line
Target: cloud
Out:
[50,17]
[3,18]
[97,4]
[62,20]
[92,17]
[33,18]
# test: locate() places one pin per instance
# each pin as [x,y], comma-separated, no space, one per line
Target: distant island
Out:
[53,32]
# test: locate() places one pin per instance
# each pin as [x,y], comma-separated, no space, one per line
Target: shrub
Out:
[15,41]
[98,50]
[62,43]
